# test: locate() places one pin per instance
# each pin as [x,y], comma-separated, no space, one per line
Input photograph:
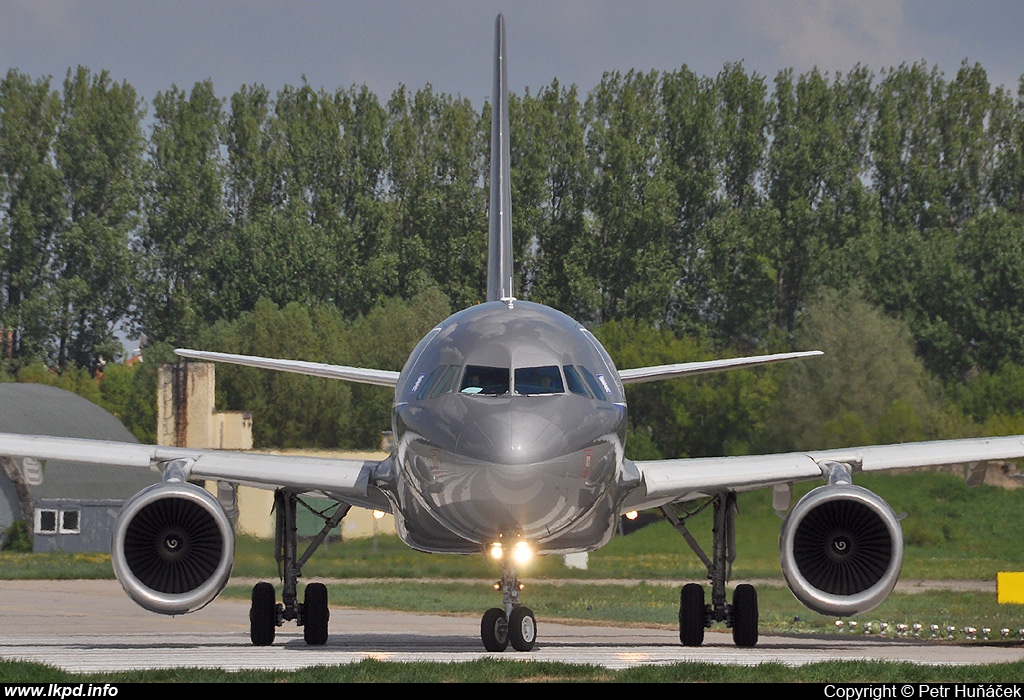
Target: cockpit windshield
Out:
[539,380]
[489,381]
[484,380]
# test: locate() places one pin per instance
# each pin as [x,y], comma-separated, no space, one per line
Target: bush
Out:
[17,538]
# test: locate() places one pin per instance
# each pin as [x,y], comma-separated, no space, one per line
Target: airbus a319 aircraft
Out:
[509,426]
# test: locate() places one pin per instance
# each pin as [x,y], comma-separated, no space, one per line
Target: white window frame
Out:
[39,521]
[59,524]
[62,526]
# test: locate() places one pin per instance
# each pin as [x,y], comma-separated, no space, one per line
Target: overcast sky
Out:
[448,43]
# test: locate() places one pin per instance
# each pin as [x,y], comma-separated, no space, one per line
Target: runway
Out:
[92,626]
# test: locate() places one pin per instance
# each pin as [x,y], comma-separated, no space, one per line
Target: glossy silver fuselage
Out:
[479,464]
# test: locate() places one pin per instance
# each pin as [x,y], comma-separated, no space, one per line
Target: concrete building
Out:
[70,507]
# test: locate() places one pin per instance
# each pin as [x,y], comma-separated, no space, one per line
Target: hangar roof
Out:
[36,409]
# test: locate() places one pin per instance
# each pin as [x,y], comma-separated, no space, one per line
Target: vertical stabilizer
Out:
[499,241]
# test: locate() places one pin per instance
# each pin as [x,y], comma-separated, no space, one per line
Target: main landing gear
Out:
[514,624]
[266,614]
[694,615]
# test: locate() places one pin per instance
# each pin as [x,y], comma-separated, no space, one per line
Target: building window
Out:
[70,522]
[46,520]
[50,521]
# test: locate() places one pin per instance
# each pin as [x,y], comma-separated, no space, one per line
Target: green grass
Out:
[501,670]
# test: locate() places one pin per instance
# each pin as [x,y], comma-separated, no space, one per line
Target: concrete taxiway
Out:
[86,626]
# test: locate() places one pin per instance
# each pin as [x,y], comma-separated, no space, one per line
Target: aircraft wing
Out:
[345,479]
[684,369]
[670,480]
[380,377]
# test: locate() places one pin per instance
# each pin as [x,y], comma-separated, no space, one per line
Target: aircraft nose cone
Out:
[512,438]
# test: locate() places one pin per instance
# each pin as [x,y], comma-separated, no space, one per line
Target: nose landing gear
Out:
[514,624]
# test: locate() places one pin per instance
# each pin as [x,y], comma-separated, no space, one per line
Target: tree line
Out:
[677,215]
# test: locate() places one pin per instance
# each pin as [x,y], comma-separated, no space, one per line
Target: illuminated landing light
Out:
[378,514]
[522,552]
[632,515]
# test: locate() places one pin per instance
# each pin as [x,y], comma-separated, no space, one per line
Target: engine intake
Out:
[841,550]
[173,547]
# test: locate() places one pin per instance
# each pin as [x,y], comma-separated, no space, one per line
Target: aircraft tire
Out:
[263,615]
[522,629]
[744,614]
[316,614]
[691,615]
[494,630]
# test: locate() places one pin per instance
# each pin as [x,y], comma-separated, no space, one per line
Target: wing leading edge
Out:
[671,480]
[345,479]
[362,375]
[686,369]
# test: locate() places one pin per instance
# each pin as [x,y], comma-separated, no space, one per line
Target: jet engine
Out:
[172,547]
[841,549]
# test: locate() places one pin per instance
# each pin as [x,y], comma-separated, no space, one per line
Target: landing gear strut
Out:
[694,615]
[514,623]
[313,613]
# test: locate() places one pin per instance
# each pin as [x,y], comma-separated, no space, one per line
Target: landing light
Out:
[522,552]
[631,515]
[378,514]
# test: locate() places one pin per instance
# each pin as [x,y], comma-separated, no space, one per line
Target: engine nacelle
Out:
[172,548]
[841,550]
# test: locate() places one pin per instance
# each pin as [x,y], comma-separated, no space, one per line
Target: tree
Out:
[185,217]
[718,414]
[289,410]
[554,242]
[816,168]
[633,201]
[868,387]
[99,153]
[31,214]
[365,251]
[437,164]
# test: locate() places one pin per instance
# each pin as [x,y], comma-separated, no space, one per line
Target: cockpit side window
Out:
[575,382]
[489,381]
[600,389]
[446,384]
[425,385]
[539,380]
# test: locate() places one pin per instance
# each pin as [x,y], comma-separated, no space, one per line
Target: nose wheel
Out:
[494,630]
[522,629]
[518,629]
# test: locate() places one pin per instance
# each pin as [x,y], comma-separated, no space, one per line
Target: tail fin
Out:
[499,242]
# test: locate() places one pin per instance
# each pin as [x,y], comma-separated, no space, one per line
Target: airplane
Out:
[509,424]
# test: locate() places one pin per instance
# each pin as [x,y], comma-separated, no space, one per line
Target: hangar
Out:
[70,507]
